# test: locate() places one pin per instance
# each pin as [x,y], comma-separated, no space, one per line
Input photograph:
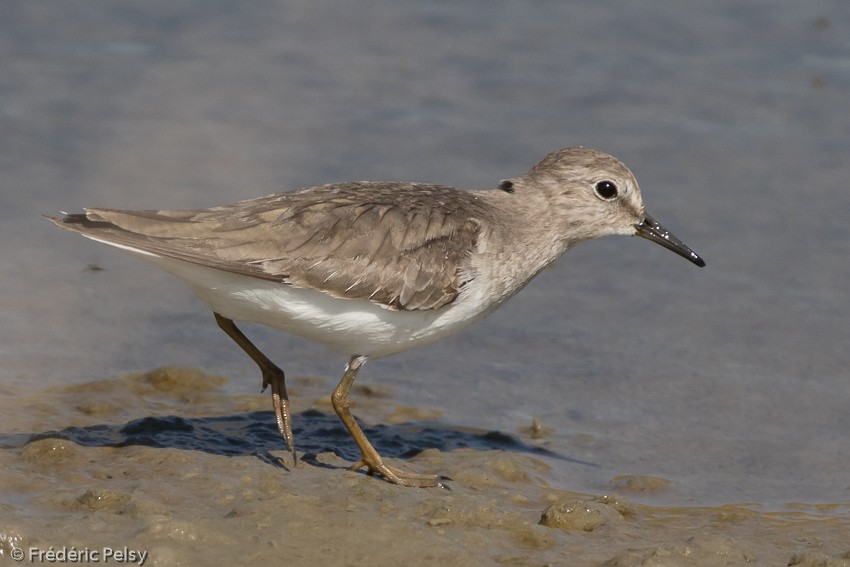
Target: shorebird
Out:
[371,269]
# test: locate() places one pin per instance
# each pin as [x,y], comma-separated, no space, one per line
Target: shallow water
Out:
[714,400]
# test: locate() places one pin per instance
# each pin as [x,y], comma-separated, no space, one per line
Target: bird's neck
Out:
[522,238]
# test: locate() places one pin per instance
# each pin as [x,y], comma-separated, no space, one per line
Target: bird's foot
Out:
[400,477]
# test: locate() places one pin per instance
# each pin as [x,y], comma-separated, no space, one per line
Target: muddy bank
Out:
[167,463]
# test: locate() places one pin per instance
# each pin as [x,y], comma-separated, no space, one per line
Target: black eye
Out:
[605,190]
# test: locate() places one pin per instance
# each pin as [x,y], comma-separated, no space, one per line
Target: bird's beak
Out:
[651,230]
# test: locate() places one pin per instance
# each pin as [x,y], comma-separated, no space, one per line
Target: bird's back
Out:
[402,245]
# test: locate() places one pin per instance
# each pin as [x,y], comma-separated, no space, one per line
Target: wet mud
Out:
[168,463]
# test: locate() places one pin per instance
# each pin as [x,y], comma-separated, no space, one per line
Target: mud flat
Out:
[166,463]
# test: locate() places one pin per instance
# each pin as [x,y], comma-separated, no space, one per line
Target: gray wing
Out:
[405,246]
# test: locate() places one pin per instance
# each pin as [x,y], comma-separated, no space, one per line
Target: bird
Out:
[372,268]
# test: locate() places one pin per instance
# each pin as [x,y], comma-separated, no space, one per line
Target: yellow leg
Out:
[272,376]
[371,458]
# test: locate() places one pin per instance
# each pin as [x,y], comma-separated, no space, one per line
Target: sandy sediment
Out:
[167,463]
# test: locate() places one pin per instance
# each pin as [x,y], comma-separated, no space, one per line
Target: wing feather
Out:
[405,246]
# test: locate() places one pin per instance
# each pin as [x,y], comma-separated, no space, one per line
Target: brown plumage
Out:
[398,244]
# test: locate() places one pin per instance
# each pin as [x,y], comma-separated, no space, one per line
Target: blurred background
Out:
[731,381]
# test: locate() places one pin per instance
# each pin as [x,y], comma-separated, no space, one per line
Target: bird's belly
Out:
[347,326]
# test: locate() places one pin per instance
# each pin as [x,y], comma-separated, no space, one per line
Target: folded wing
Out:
[405,246]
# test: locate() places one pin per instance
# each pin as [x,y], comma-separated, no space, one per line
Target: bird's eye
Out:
[606,190]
